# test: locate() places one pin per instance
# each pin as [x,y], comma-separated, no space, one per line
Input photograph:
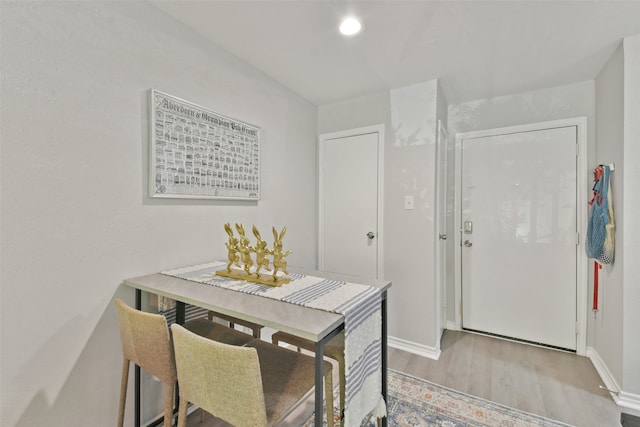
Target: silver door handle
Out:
[371,235]
[468,243]
[442,237]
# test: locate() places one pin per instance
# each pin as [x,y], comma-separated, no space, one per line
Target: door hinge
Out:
[577,328]
[578,238]
[577,149]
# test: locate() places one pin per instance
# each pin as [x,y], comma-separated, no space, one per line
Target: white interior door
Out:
[518,235]
[350,202]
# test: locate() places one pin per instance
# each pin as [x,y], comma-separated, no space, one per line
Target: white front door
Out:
[350,194]
[518,229]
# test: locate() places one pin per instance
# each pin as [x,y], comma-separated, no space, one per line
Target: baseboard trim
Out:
[629,400]
[412,347]
[622,398]
[452,326]
[604,372]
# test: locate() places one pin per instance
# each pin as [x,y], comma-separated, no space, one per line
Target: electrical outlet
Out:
[408,202]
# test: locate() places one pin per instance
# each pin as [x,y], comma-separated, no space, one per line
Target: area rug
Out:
[414,402]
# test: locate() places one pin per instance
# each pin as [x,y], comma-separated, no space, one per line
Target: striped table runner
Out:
[360,306]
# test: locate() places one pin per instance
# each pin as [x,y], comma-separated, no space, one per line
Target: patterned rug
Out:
[414,402]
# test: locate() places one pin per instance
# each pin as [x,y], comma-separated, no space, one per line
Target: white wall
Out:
[409,252]
[615,334]
[631,207]
[76,219]
[442,115]
[410,117]
[563,102]
[606,333]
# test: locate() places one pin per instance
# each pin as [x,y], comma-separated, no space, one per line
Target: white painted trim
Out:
[452,326]
[411,347]
[581,220]
[604,372]
[379,129]
[457,232]
[629,400]
[582,275]
[622,398]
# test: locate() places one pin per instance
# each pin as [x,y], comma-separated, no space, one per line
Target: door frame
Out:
[322,140]
[581,216]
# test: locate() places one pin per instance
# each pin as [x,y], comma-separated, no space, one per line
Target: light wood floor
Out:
[550,383]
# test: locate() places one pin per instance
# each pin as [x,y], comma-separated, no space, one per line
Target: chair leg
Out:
[182,412]
[168,404]
[256,333]
[123,391]
[328,391]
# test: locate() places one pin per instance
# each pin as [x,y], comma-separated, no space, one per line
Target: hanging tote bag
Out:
[608,248]
[600,228]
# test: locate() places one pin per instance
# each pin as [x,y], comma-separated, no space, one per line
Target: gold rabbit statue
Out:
[245,249]
[279,262]
[232,248]
[261,252]
[241,250]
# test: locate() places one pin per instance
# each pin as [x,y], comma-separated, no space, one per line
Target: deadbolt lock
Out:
[468,227]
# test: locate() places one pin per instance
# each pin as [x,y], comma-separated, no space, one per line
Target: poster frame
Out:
[196,153]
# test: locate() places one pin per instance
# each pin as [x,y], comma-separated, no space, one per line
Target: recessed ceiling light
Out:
[350,26]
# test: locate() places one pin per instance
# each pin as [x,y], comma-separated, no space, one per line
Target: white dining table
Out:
[312,324]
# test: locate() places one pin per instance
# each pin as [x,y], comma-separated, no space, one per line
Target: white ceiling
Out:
[478,49]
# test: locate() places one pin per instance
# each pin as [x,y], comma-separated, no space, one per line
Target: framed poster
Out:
[196,153]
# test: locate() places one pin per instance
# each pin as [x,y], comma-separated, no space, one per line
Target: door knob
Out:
[371,235]
[468,243]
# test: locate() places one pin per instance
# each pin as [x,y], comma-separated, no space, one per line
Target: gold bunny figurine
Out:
[232,248]
[279,262]
[245,249]
[261,252]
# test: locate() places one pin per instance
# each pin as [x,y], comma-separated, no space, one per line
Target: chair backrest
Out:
[222,379]
[146,341]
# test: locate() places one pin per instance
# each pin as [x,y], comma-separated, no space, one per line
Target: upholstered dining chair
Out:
[254,385]
[255,327]
[334,349]
[146,341]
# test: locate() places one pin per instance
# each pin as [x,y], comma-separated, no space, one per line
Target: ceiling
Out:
[477,49]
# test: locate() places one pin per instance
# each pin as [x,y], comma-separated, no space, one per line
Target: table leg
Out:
[319,374]
[180,320]
[137,368]
[384,352]
[318,382]
[180,312]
